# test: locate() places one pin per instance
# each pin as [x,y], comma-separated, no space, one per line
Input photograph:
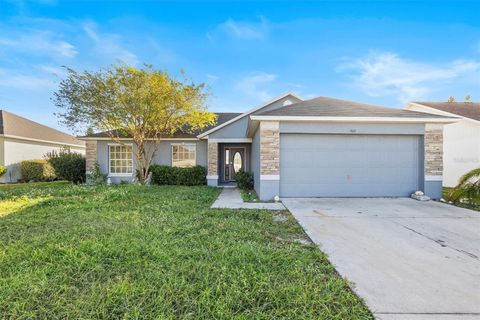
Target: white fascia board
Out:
[240,140]
[356,119]
[433,178]
[249,112]
[440,112]
[129,139]
[270,177]
[42,141]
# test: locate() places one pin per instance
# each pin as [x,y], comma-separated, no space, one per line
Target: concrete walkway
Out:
[230,198]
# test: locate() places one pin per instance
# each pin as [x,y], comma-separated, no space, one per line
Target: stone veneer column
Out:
[269,159]
[212,169]
[90,154]
[433,160]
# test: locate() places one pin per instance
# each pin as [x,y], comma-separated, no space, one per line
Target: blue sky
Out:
[247,52]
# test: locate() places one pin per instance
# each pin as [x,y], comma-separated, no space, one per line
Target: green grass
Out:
[135,252]
[470,205]
[249,195]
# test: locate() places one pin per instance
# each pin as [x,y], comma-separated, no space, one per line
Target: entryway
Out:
[233,158]
[234,162]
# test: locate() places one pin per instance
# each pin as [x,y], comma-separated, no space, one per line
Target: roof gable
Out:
[291,95]
[469,110]
[19,127]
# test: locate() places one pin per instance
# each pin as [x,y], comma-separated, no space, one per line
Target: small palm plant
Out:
[468,188]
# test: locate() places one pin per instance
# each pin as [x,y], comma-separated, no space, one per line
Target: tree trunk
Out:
[144,158]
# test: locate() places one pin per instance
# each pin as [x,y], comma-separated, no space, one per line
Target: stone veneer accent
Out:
[90,154]
[269,148]
[212,159]
[433,141]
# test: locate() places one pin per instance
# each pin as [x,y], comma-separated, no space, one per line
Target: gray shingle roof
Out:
[330,107]
[13,125]
[222,117]
[465,109]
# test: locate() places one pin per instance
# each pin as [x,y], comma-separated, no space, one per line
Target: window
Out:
[120,159]
[183,155]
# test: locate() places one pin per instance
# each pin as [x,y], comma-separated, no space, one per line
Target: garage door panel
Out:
[314,165]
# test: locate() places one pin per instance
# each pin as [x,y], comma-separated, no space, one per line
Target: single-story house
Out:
[23,139]
[321,147]
[461,143]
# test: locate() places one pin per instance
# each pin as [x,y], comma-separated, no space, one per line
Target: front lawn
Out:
[249,195]
[78,252]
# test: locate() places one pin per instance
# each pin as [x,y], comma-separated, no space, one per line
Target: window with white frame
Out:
[183,155]
[120,159]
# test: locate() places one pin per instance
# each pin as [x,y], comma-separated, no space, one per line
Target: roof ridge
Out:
[332,107]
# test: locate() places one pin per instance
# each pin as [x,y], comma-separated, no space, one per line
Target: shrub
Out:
[37,170]
[67,165]
[95,175]
[468,188]
[244,180]
[191,176]
[3,170]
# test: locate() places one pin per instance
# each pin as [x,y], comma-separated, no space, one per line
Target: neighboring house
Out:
[321,147]
[23,139]
[461,145]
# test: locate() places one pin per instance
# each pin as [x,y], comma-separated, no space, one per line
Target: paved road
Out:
[408,259]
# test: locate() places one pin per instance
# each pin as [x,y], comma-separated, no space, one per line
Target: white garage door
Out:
[314,165]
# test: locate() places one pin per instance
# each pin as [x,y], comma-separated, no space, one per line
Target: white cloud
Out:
[52,70]
[252,85]
[245,30]
[40,43]
[211,78]
[109,45]
[18,80]
[386,73]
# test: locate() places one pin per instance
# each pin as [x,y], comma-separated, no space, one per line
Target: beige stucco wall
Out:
[433,140]
[90,155]
[18,150]
[212,159]
[269,148]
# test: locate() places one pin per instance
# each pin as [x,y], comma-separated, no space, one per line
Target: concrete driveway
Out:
[408,259]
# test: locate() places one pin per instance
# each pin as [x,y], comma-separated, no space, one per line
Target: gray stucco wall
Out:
[235,130]
[352,128]
[164,153]
[255,160]
[268,189]
[433,189]
[163,156]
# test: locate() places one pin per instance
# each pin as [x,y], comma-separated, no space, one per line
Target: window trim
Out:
[183,144]
[114,174]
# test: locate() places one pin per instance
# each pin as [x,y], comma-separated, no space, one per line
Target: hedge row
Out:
[191,176]
[37,170]
[67,165]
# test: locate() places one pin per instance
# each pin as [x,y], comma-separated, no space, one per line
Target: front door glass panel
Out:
[237,161]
